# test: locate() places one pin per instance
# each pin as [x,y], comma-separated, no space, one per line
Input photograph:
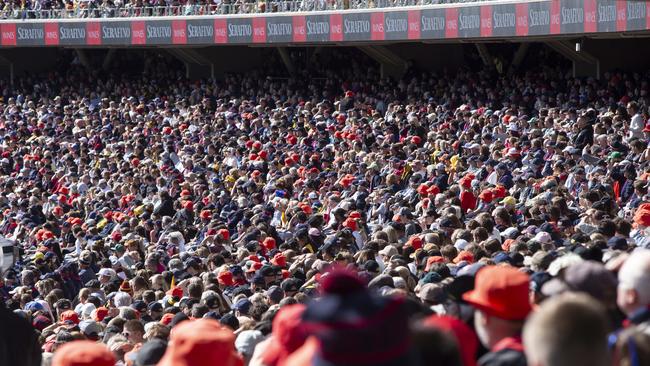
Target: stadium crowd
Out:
[57,9]
[459,218]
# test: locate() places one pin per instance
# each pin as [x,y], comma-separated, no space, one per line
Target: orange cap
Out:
[83,353]
[201,342]
[501,291]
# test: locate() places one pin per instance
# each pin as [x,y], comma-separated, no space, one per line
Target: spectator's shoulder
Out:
[505,357]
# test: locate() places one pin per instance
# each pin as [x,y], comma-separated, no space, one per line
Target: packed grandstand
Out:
[325,213]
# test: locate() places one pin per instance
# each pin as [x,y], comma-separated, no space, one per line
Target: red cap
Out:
[415,242]
[257,145]
[507,244]
[501,291]
[254,267]
[417,140]
[167,318]
[205,214]
[254,258]
[201,342]
[83,353]
[99,314]
[175,292]
[465,182]
[464,255]
[351,224]
[292,140]
[354,215]
[423,189]
[306,209]
[279,260]
[499,191]
[642,215]
[69,315]
[135,161]
[486,196]
[434,190]
[288,334]
[432,260]
[224,233]
[116,236]
[189,205]
[185,193]
[268,243]
[225,278]
[263,154]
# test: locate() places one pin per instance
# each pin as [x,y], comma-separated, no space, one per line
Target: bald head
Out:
[633,278]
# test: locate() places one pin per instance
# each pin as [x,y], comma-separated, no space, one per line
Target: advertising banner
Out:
[488,20]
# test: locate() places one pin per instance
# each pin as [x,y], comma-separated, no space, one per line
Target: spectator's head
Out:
[83,353]
[133,331]
[501,300]
[150,353]
[633,279]
[570,329]
[201,342]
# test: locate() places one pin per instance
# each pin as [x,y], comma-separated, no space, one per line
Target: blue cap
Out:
[242,305]
[34,306]
[501,257]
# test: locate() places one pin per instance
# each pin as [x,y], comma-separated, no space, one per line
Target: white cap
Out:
[108,272]
[543,237]
[461,244]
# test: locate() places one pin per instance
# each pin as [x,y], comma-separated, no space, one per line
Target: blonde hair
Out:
[567,330]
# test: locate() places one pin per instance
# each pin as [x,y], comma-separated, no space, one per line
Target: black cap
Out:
[267,271]
[371,266]
[178,318]
[155,306]
[151,352]
[290,285]
[230,320]
[139,305]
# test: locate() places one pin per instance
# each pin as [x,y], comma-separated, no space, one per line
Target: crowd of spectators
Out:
[329,218]
[56,9]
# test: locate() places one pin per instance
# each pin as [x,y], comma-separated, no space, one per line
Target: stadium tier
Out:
[324,183]
[336,25]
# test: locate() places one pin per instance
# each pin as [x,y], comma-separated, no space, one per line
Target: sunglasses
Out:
[126,334]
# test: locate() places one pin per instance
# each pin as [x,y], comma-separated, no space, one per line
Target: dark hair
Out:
[445,353]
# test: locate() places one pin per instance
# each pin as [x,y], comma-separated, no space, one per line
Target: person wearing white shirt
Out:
[637,123]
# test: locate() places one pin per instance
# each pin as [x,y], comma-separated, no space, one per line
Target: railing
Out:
[90,10]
